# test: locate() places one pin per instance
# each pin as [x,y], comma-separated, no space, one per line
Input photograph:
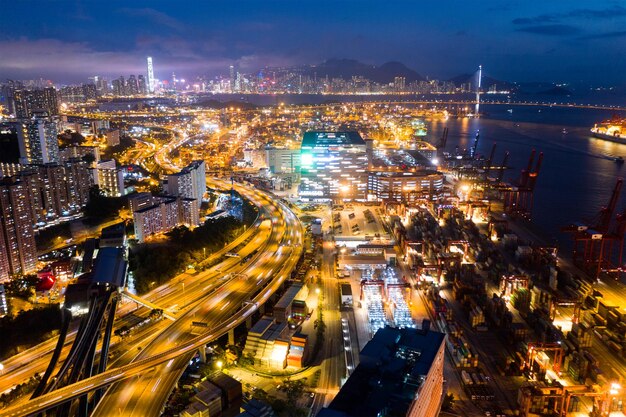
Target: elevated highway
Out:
[154,372]
[181,291]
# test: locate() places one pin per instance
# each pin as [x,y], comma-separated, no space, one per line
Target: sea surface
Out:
[578,172]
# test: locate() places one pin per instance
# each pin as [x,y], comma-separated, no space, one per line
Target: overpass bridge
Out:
[274,264]
[148,304]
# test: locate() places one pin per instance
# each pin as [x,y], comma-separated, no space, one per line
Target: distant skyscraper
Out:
[238,82]
[232,78]
[399,83]
[90,91]
[117,89]
[102,85]
[141,80]
[132,86]
[122,89]
[28,101]
[18,253]
[150,76]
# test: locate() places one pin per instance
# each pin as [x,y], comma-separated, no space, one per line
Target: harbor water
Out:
[578,172]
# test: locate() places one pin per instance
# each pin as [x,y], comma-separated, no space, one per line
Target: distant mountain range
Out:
[486,82]
[386,73]
[346,68]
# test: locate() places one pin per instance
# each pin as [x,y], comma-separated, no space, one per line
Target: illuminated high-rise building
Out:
[190,182]
[399,83]
[333,165]
[141,80]
[150,76]
[18,253]
[36,137]
[132,86]
[232,78]
[109,178]
[29,101]
[152,215]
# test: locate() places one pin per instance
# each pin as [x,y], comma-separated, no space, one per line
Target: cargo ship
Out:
[613,130]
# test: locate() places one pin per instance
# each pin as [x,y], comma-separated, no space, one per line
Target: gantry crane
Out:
[518,199]
[594,242]
[535,348]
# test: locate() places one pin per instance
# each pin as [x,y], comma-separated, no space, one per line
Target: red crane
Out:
[518,199]
[594,244]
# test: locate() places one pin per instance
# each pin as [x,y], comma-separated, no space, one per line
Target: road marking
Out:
[54,399]
[156,385]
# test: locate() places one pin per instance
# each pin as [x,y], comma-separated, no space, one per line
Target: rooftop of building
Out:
[261,326]
[404,160]
[208,392]
[315,139]
[193,165]
[289,296]
[110,267]
[392,367]
[362,259]
[157,201]
[115,231]
[275,332]
[256,408]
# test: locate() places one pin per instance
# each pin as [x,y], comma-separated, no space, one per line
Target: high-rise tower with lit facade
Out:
[150,76]
[18,253]
[37,141]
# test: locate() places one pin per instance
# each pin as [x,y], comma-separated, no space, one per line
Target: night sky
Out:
[555,40]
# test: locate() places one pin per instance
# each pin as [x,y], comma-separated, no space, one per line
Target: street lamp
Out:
[1,369]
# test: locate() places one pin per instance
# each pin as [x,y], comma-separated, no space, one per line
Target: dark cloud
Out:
[551,30]
[611,13]
[544,18]
[608,13]
[605,35]
[155,16]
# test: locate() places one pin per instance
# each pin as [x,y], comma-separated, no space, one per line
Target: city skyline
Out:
[290,208]
[516,42]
